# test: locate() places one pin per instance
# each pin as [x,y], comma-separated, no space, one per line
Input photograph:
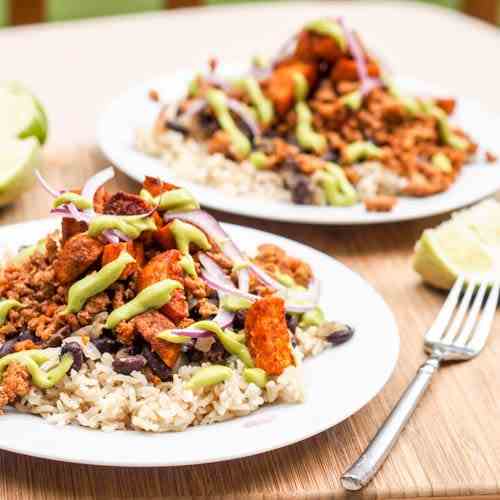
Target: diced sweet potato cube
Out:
[166,266]
[268,337]
[101,197]
[314,47]
[345,69]
[113,250]
[148,325]
[447,105]
[76,256]
[280,86]
[164,237]
[70,227]
[156,186]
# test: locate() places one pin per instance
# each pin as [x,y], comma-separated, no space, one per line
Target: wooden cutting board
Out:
[451,447]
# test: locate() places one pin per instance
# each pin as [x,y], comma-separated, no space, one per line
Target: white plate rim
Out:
[391,346]
[134,164]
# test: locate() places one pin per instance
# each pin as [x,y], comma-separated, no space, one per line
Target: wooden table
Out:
[451,448]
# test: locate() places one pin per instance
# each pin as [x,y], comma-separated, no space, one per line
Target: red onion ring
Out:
[195,107]
[96,181]
[70,211]
[367,83]
[53,192]
[242,111]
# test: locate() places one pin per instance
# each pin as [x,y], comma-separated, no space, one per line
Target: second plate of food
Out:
[326,142]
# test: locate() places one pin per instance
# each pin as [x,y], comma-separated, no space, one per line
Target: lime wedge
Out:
[18,160]
[21,114]
[468,244]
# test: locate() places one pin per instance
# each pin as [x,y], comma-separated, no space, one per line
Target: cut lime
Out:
[21,114]
[469,244]
[18,160]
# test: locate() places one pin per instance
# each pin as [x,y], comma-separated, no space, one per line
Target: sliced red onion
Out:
[96,181]
[225,288]
[260,73]
[195,107]
[70,211]
[194,333]
[242,111]
[214,269]
[265,278]
[217,80]
[367,83]
[53,192]
[113,236]
[212,228]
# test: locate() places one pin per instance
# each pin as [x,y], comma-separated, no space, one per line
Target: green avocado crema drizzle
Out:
[152,297]
[130,225]
[229,340]
[445,132]
[209,375]
[264,106]
[259,160]
[308,139]
[176,199]
[442,162]
[217,102]
[255,376]
[31,360]
[77,199]
[185,234]
[96,283]
[361,150]
[232,303]
[5,306]
[353,100]
[315,317]
[338,190]
[328,27]
[300,86]
[188,266]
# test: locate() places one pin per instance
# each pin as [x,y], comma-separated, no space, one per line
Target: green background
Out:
[59,10]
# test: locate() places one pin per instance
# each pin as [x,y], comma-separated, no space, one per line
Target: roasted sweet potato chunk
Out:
[314,47]
[148,325]
[345,69]
[156,186]
[280,85]
[101,197]
[76,256]
[268,338]
[70,227]
[122,203]
[166,266]
[113,250]
[164,237]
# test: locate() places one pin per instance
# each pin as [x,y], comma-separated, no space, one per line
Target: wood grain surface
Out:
[451,447]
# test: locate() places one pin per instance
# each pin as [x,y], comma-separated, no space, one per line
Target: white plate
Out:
[133,110]
[338,382]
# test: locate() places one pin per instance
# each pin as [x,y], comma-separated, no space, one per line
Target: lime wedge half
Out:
[21,114]
[468,244]
[18,160]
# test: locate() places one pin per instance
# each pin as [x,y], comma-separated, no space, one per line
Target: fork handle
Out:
[368,464]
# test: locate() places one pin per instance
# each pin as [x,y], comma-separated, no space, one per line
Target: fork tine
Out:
[472,317]
[460,314]
[482,330]
[443,318]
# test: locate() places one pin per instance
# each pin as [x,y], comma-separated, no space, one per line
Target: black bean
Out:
[292,322]
[216,354]
[331,155]
[302,192]
[106,344]
[336,333]
[128,364]
[137,345]
[7,347]
[177,127]
[160,369]
[239,320]
[208,123]
[75,350]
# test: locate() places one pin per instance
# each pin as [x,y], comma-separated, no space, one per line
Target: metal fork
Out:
[451,338]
